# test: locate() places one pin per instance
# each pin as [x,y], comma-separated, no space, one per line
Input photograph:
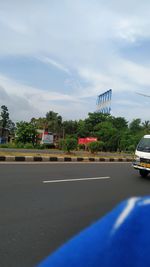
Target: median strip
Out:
[63,159]
[76,180]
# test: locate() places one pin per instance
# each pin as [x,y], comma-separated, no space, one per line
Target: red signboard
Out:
[86,140]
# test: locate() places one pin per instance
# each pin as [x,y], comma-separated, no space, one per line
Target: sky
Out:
[60,55]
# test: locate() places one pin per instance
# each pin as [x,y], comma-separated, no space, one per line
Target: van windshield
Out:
[144,145]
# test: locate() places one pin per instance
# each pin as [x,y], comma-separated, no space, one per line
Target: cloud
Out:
[88,41]
[123,76]
[26,102]
[54,63]
[18,106]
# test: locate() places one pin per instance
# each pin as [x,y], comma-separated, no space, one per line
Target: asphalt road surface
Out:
[40,210]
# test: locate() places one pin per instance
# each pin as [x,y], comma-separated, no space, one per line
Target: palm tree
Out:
[146,126]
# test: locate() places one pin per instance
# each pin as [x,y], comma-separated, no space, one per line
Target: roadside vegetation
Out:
[114,134]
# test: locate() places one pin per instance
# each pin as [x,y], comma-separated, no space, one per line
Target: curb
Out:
[61,159]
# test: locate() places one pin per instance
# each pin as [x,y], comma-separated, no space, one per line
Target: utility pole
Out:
[63,133]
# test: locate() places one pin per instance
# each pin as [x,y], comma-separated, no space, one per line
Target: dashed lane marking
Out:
[76,180]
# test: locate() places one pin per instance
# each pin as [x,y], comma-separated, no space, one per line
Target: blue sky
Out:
[60,55]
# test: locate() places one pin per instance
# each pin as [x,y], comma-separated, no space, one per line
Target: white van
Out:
[142,156]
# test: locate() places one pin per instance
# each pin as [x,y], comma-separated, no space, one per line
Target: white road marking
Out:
[76,179]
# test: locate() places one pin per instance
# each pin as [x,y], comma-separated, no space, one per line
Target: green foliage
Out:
[8,145]
[81,146]
[69,144]
[74,136]
[12,145]
[61,144]
[39,123]
[4,116]
[82,129]
[19,145]
[49,146]
[106,132]
[131,148]
[28,146]
[114,133]
[95,118]
[40,146]
[26,133]
[54,122]
[70,127]
[119,123]
[96,146]
[4,146]
[135,125]
[5,121]
[146,127]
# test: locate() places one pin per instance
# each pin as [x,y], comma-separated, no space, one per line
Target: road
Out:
[38,215]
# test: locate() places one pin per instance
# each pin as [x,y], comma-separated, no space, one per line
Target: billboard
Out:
[47,138]
[86,140]
[104,102]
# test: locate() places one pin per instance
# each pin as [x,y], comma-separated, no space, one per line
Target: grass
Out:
[75,154]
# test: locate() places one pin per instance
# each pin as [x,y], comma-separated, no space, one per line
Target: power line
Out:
[142,94]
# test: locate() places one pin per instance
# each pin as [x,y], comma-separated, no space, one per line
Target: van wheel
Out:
[143,173]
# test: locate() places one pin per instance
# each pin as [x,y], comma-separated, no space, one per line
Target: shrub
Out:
[39,146]
[11,145]
[28,146]
[50,146]
[70,144]
[95,146]
[3,145]
[19,145]
[131,148]
[61,144]
[81,146]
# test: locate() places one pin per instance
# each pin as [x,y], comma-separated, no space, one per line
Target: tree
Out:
[106,132]
[135,125]
[40,123]
[94,119]
[4,116]
[5,121]
[70,127]
[11,126]
[54,122]
[119,123]
[146,126]
[82,129]
[26,132]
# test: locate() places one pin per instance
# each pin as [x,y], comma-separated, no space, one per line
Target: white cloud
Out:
[26,101]
[84,37]
[31,93]
[54,63]
[123,76]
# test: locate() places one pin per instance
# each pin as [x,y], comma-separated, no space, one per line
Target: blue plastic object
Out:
[121,238]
